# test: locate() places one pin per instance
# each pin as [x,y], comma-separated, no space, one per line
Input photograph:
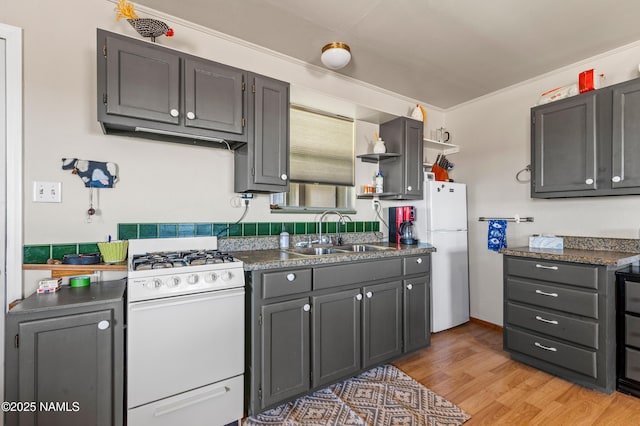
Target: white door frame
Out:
[13,166]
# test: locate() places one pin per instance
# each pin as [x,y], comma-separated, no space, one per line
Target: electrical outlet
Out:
[47,192]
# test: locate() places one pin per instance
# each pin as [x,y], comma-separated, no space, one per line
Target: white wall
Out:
[159,182]
[494,135]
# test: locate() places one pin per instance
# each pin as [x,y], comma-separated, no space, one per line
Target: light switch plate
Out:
[47,192]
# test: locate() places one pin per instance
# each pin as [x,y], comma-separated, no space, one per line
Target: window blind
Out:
[321,148]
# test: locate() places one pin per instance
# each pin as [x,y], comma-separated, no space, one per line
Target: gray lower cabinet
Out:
[150,91]
[285,348]
[313,326]
[403,175]
[560,317]
[64,354]
[262,165]
[337,337]
[587,145]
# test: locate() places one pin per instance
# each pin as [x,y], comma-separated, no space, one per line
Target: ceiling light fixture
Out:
[335,55]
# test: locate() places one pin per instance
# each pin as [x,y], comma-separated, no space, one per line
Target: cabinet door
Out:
[141,81]
[271,132]
[413,152]
[563,141]
[626,136]
[417,316]
[285,350]
[336,336]
[382,322]
[214,96]
[68,359]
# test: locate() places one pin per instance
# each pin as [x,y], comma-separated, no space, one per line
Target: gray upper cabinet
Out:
[626,136]
[146,90]
[564,145]
[262,165]
[587,145]
[403,175]
[214,96]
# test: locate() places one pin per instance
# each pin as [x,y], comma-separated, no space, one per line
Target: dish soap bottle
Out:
[284,238]
[379,182]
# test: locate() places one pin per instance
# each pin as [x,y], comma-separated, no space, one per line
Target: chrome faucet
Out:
[340,221]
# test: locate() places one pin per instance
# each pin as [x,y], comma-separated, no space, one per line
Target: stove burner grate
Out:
[177,259]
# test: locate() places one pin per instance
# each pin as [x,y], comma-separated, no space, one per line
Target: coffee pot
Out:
[406,233]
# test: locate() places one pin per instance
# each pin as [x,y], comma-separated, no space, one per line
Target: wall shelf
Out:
[374,158]
[446,148]
[376,195]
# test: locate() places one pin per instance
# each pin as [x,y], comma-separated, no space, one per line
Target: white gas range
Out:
[185,333]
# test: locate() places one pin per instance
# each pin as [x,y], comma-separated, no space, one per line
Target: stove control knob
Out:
[226,276]
[192,279]
[211,277]
[153,284]
[173,282]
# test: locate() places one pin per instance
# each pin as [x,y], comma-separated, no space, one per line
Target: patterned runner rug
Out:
[383,396]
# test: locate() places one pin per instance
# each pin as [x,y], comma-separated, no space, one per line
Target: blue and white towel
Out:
[497,236]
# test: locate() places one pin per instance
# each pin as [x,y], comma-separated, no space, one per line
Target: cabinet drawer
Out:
[415,264]
[632,358]
[565,273]
[553,297]
[564,355]
[576,330]
[632,296]
[632,330]
[275,284]
[351,273]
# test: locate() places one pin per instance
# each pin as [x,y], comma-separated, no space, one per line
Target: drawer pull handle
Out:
[539,318]
[553,268]
[409,286]
[546,294]
[306,307]
[291,277]
[546,348]
[419,260]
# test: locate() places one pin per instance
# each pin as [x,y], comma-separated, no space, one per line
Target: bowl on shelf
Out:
[114,251]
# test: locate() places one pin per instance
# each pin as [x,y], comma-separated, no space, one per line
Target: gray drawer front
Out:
[564,355]
[566,273]
[351,273]
[275,284]
[632,331]
[632,370]
[632,296]
[581,331]
[553,297]
[415,264]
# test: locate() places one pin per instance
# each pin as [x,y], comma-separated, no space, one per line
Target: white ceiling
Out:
[443,52]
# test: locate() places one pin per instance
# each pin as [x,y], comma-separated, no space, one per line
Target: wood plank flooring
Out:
[467,366]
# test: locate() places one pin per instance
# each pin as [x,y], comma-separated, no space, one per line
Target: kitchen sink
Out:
[364,247]
[315,251]
[318,251]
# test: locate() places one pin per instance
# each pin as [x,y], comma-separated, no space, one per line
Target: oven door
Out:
[182,343]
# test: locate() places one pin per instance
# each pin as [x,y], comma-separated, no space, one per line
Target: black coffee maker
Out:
[401,225]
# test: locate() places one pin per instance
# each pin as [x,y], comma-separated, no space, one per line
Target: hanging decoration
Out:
[146,27]
[94,174]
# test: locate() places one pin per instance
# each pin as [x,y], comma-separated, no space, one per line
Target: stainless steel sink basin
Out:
[364,247]
[315,251]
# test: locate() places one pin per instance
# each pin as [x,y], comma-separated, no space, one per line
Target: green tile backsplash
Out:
[40,253]
[128,231]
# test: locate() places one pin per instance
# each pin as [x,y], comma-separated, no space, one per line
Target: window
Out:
[321,157]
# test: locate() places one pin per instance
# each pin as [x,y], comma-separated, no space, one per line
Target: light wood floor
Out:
[467,366]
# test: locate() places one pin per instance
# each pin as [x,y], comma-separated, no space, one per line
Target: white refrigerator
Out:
[441,220]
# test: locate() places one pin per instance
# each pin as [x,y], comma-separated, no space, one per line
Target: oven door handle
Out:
[181,300]
[170,408]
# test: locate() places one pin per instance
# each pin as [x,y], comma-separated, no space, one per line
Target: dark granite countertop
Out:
[255,260]
[577,255]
